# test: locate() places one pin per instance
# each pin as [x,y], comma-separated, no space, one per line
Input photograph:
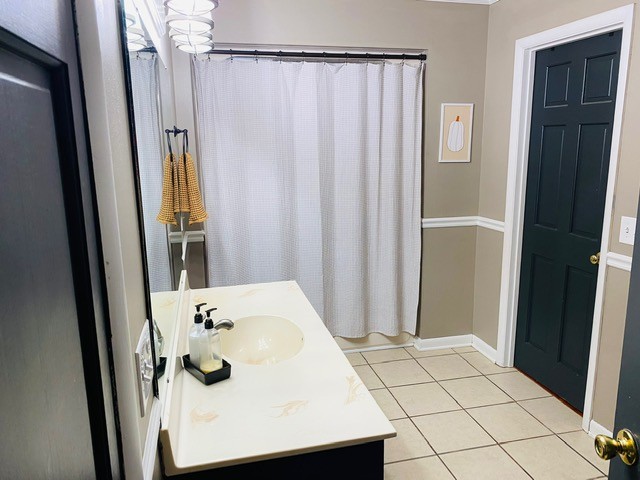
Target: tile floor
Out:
[460,416]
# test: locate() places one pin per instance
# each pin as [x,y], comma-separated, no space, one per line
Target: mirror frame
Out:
[136,177]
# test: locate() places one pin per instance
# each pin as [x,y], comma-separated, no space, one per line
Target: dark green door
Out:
[571,121]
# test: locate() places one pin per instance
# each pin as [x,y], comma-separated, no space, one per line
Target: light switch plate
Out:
[144,368]
[627,230]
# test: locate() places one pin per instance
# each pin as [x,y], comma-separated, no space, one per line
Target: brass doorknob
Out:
[624,445]
[595,258]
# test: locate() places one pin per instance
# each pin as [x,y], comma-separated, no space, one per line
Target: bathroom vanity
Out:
[293,407]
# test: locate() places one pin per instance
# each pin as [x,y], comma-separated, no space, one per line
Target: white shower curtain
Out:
[312,172]
[144,85]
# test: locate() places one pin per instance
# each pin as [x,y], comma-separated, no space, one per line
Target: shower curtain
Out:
[144,85]
[312,172]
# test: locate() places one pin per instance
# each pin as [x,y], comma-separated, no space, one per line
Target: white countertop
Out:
[313,401]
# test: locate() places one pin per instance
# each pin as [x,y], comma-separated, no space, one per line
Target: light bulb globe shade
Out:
[136,46]
[191,7]
[190,25]
[195,49]
[134,34]
[187,39]
[129,19]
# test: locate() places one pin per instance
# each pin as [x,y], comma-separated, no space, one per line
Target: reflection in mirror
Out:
[149,81]
[146,107]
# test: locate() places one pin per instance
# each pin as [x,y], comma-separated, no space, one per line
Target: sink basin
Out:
[262,340]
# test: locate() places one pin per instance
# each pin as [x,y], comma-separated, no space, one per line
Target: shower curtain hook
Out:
[346,58]
[255,52]
[403,59]
[280,55]
[324,57]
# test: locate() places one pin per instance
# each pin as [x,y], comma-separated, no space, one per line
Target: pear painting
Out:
[455,142]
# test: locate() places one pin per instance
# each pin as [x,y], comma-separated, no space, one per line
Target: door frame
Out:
[524,66]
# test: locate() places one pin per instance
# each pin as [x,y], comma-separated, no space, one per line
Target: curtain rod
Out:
[301,54]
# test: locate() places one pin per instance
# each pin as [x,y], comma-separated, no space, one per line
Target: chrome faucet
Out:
[224,323]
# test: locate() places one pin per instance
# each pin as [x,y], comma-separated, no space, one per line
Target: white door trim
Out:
[525,48]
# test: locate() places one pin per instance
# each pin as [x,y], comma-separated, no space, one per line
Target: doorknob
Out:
[595,258]
[624,445]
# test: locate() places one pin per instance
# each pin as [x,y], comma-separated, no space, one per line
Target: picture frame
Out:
[456,132]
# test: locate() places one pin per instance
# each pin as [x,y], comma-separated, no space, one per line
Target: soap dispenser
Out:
[195,332]
[210,349]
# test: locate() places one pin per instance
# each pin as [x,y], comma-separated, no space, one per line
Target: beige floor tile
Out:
[467,349]
[448,367]
[518,386]
[549,458]
[430,468]
[408,444]
[553,414]
[582,443]
[488,463]
[388,404]
[402,372]
[451,431]
[355,359]
[386,355]
[368,377]
[483,364]
[415,353]
[423,399]
[508,422]
[475,392]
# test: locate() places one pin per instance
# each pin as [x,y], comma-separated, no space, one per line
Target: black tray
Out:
[160,368]
[207,378]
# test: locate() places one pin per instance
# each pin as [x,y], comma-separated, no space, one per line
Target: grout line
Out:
[466,410]
[446,466]
[528,438]
[410,459]
[569,445]
[389,361]
[409,384]
[515,461]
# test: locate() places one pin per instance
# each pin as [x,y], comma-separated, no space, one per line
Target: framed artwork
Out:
[456,123]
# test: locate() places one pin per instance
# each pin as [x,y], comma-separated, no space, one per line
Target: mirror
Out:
[147,64]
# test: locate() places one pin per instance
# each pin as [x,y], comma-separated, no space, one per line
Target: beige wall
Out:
[488,261]
[456,37]
[510,20]
[446,305]
[610,351]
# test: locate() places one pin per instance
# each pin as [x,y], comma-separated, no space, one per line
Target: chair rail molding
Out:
[616,260]
[471,221]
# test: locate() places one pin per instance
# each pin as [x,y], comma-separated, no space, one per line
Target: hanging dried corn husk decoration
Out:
[455,142]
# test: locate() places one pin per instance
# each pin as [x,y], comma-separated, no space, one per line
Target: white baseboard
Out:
[378,347]
[151,442]
[424,344]
[484,348]
[596,429]
[443,342]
